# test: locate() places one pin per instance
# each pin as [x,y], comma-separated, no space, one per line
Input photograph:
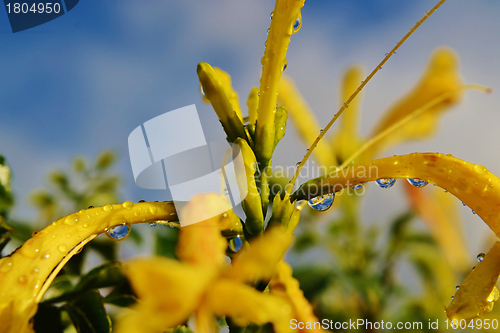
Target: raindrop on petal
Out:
[235,244]
[457,288]
[357,187]
[386,182]
[417,182]
[322,203]
[152,224]
[297,24]
[285,65]
[271,16]
[480,257]
[119,232]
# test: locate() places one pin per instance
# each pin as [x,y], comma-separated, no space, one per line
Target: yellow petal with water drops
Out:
[258,260]
[215,91]
[478,293]
[169,291]
[284,17]
[439,211]
[200,241]
[471,183]
[231,94]
[28,272]
[440,76]
[304,121]
[246,305]
[284,285]
[346,140]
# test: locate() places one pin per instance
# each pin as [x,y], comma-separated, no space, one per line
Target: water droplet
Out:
[46,255]
[235,244]
[473,212]
[452,298]
[62,248]
[71,219]
[119,232]
[480,169]
[90,207]
[153,209]
[457,288]
[152,224]
[128,205]
[22,279]
[142,201]
[345,105]
[6,265]
[86,225]
[357,187]
[297,24]
[454,325]
[463,203]
[285,65]
[271,16]
[322,203]
[480,257]
[386,182]
[297,164]
[473,268]
[108,208]
[268,29]
[386,54]
[417,182]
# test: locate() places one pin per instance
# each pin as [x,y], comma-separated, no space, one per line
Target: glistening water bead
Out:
[322,203]
[480,257]
[386,182]
[417,182]
[297,24]
[235,244]
[119,232]
[357,187]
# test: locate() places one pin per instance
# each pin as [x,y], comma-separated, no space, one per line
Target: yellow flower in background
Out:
[202,284]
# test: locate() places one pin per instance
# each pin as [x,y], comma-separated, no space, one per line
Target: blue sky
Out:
[83,82]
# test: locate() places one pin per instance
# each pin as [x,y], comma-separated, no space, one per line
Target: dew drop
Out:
[119,232]
[153,209]
[108,208]
[297,24]
[386,182]
[285,65]
[345,105]
[22,279]
[152,224]
[62,248]
[86,225]
[473,212]
[463,203]
[417,182]
[473,268]
[452,298]
[90,207]
[480,257]
[357,187]
[271,16]
[457,288]
[386,54]
[480,169]
[142,201]
[71,219]
[128,205]
[322,203]
[235,244]
[46,255]
[6,265]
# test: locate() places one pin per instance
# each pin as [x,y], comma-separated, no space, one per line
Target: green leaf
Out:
[105,160]
[313,279]
[122,295]
[165,241]
[48,319]
[106,275]
[88,314]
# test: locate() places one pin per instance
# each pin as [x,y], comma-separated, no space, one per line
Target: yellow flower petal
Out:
[202,242]
[258,260]
[246,305]
[346,140]
[231,94]
[253,105]
[284,15]
[169,291]
[25,275]
[472,183]
[284,285]
[440,77]
[477,293]
[304,121]
[439,211]
[215,91]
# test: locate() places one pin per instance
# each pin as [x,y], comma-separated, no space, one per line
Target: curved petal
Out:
[25,275]
[246,305]
[258,260]
[231,94]
[472,183]
[440,77]
[284,285]
[169,291]
[477,293]
[304,121]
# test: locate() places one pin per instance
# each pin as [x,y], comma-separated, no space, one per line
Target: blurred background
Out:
[81,83]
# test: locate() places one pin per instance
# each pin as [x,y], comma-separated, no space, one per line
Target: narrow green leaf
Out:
[88,314]
[48,319]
